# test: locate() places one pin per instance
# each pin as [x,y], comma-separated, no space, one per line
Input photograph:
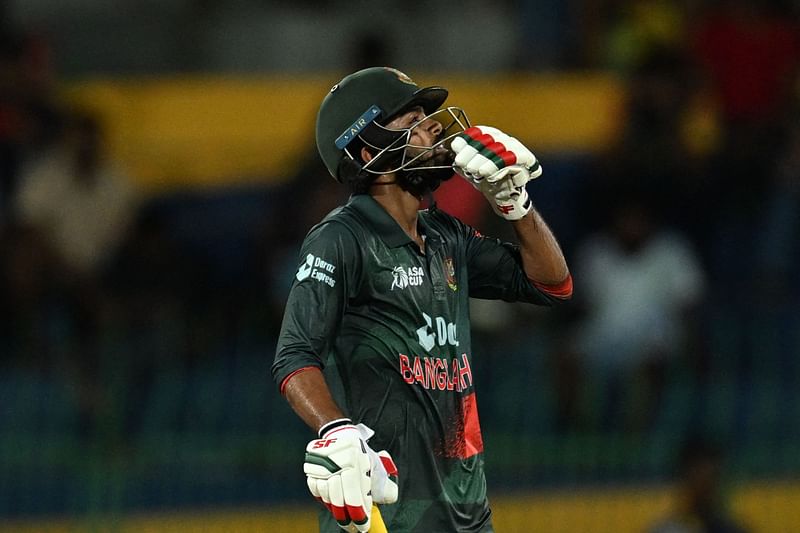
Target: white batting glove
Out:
[506,192]
[384,471]
[339,472]
[499,166]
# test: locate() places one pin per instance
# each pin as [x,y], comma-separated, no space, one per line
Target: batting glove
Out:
[499,166]
[384,471]
[339,470]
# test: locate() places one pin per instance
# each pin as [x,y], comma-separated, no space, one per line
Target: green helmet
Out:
[356,107]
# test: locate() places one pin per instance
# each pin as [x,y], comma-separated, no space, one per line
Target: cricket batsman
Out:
[374,352]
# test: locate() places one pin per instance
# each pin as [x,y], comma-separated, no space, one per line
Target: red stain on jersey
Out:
[473,441]
[466,440]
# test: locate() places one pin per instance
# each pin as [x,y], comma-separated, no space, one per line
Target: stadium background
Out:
[135,391]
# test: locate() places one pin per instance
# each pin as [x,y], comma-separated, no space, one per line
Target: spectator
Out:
[639,283]
[749,53]
[699,507]
[80,199]
[29,116]
[654,150]
[79,204]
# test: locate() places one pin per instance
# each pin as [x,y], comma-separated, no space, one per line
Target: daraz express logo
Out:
[443,333]
[317,269]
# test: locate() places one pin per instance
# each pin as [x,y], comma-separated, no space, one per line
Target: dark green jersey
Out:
[390,327]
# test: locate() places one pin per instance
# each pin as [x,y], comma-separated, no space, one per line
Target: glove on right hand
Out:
[384,471]
[346,475]
[499,166]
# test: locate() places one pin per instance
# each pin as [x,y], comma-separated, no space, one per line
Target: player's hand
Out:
[507,193]
[337,471]
[384,471]
[343,473]
[499,166]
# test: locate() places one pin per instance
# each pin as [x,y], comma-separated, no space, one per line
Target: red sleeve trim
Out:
[562,291]
[293,374]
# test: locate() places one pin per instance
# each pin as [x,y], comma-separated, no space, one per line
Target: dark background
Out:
[135,377]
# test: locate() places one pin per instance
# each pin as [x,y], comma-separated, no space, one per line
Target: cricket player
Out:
[374,351]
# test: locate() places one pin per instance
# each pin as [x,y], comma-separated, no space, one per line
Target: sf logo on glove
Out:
[347,476]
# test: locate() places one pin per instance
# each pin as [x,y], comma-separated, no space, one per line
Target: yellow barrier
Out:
[773,508]
[196,131]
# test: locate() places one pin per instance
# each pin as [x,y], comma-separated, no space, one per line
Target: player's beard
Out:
[420,180]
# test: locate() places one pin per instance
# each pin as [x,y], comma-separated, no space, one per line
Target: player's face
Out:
[425,132]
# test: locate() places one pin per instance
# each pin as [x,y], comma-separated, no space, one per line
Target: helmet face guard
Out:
[354,114]
[395,153]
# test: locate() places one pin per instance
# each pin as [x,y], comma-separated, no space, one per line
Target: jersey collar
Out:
[381,221]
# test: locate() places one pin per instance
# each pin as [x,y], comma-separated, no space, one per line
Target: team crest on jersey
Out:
[410,277]
[400,75]
[450,273]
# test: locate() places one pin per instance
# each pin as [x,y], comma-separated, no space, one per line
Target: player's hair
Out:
[359,181]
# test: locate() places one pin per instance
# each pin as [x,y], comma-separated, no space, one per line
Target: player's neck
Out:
[401,205]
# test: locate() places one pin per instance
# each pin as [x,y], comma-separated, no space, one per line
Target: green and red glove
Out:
[499,166]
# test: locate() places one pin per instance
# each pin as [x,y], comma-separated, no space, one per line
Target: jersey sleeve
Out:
[328,269]
[496,273]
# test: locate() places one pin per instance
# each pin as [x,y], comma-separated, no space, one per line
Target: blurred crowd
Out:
[691,213]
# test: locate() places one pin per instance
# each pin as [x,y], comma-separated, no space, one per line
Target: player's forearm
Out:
[309,396]
[541,255]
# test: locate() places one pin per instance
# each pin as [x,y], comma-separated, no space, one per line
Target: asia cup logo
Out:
[400,278]
[407,277]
